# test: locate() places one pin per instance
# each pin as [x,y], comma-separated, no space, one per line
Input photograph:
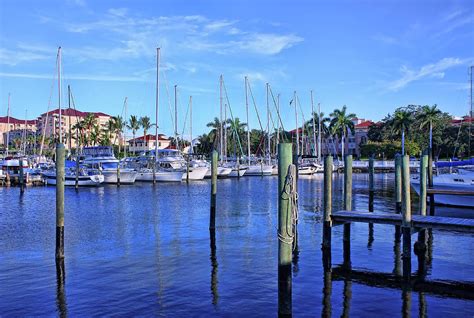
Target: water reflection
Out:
[60,292]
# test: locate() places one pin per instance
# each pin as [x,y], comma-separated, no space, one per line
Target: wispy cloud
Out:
[131,36]
[385,39]
[434,70]
[455,20]
[88,77]
[14,57]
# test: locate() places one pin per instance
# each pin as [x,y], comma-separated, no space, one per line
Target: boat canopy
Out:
[443,164]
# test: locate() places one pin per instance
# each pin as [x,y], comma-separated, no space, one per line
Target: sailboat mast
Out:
[59,96]
[225,131]
[470,113]
[24,134]
[319,132]
[278,121]
[297,128]
[191,123]
[126,129]
[8,124]
[157,99]
[248,124]
[268,129]
[314,124]
[221,144]
[176,116]
[69,106]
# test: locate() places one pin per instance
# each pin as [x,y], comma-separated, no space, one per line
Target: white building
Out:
[147,143]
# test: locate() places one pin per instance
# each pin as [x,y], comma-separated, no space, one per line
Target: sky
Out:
[372,56]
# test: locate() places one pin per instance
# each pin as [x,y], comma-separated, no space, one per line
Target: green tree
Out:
[427,116]
[341,122]
[134,125]
[401,122]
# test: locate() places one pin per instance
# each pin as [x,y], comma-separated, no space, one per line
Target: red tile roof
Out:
[75,113]
[149,137]
[465,119]
[364,124]
[13,120]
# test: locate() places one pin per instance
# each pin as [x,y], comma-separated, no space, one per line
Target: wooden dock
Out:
[418,221]
[449,192]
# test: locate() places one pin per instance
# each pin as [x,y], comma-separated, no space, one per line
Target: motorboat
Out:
[173,158]
[103,159]
[463,180]
[85,177]
[143,165]
[259,169]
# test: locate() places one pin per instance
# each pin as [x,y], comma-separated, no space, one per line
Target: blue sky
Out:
[372,56]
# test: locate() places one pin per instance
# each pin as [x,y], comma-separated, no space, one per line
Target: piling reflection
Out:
[397,255]
[370,240]
[406,300]
[60,288]
[214,265]
[327,290]
[422,308]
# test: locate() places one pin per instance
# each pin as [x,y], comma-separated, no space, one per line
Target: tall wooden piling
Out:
[398,183]
[347,207]
[118,175]
[285,245]
[76,182]
[371,184]
[423,177]
[187,169]
[212,221]
[60,154]
[326,246]
[430,180]
[406,217]
[21,177]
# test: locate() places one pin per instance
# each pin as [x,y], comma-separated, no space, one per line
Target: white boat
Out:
[237,172]
[161,175]
[102,158]
[86,177]
[174,159]
[259,170]
[222,172]
[306,170]
[461,181]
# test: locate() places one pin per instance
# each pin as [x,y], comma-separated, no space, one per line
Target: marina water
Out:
[145,250]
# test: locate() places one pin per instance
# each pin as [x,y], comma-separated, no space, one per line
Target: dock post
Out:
[60,154]
[430,180]
[21,177]
[406,217]
[285,246]
[371,183]
[420,244]
[187,169]
[118,175]
[154,170]
[76,182]
[398,192]
[296,163]
[327,211]
[347,207]
[212,221]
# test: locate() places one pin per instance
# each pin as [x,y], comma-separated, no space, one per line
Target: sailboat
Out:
[255,166]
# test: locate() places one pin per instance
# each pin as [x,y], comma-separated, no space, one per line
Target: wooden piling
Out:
[118,175]
[60,156]
[154,169]
[76,182]
[423,171]
[187,169]
[398,183]
[285,245]
[430,180]
[406,217]
[347,207]
[21,177]
[327,224]
[214,159]
[371,184]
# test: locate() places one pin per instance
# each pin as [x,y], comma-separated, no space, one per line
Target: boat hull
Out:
[160,176]
[196,173]
[126,176]
[70,181]
[237,172]
[259,170]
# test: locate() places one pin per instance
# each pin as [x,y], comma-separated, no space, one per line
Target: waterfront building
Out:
[147,143]
[8,124]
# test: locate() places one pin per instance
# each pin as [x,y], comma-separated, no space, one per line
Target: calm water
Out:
[144,250]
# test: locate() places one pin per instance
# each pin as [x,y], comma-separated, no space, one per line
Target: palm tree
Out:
[146,125]
[400,123]
[324,125]
[95,135]
[89,122]
[341,123]
[214,133]
[134,125]
[236,128]
[119,125]
[426,116]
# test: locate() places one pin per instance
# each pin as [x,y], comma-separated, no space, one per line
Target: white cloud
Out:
[435,70]
[88,77]
[269,44]
[15,57]
[385,39]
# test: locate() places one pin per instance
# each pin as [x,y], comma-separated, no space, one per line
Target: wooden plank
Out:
[418,221]
[366,217]
[450,192]
[444,223]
